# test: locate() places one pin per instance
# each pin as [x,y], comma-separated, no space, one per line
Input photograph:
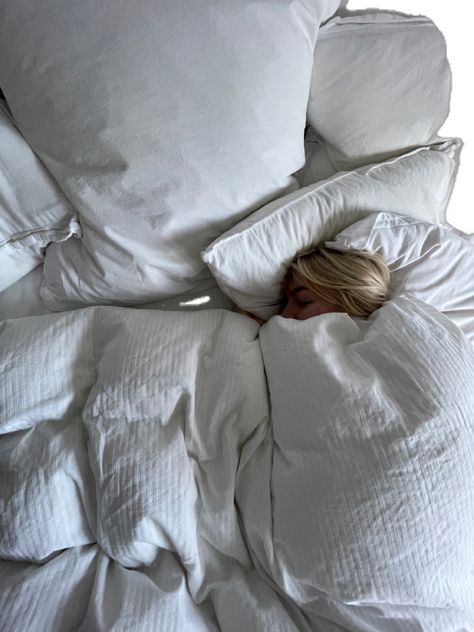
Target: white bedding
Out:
[23,298]
[122,453]
[163,470]
[164,123]
[121,458]
[359,502]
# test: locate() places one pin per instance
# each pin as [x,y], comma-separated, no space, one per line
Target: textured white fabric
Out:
[23,298]
[250,260]
[51,596]
[165,124]
[360,503]
[124,428]
[33,211]
[83,589]
[127,428]
[432,262]
[381,85]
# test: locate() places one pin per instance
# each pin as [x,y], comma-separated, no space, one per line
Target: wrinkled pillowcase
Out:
[380,86]
[250,260]
[33,211]
[431,262]
[193,118]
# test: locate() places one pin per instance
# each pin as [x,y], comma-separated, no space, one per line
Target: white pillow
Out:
[381,86]
[164,122]
[431,262]
[250,260]
[33,212]
[359,503]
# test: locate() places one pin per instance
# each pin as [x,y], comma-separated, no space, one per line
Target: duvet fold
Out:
[190,471]
[121,436]
[359,501]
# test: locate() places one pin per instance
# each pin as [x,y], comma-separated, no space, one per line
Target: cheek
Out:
[317,308]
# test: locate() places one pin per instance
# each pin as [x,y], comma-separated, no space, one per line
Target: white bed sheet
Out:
[23,299]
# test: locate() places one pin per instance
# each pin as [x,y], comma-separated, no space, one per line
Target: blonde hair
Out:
[356,280]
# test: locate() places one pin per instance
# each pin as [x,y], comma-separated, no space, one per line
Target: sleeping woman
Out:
[326,280]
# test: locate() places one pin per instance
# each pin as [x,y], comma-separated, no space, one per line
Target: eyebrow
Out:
[301,289]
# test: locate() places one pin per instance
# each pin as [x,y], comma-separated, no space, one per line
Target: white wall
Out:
[455,20]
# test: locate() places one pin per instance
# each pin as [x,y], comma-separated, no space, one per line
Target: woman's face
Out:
[302,303]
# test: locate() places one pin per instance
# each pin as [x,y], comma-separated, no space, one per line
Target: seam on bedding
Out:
[40,236]
[229,241]
[351,23]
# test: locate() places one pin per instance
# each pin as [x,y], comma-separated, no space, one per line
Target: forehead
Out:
[292,284]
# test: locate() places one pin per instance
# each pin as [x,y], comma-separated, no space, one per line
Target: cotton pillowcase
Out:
[431,262]
[381,86]
[249,262]
[165,123]
[33,211]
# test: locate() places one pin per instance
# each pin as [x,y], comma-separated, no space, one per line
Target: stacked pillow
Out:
[380,86]
[164,124]
[33,211]
[159,157]
[250,261]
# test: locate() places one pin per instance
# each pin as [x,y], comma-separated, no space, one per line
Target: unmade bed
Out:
[166,462]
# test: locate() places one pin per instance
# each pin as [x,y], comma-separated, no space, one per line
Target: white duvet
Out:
[123,432]
[128,435]
[359,502]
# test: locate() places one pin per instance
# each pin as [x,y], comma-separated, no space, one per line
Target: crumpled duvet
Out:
[122,432]
[171,471]
[359,502]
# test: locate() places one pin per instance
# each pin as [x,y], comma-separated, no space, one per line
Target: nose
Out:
[289,311]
